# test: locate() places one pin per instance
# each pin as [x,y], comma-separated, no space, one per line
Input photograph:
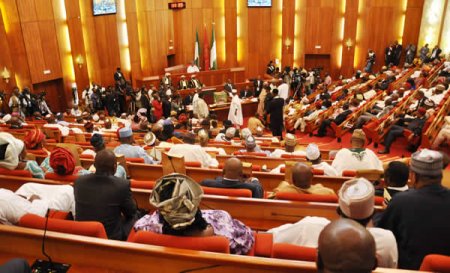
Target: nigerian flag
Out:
[213,55]
[197,50]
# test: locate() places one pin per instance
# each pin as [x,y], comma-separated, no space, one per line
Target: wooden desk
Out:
[208,78]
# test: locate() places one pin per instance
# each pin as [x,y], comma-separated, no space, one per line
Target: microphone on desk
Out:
[41,266]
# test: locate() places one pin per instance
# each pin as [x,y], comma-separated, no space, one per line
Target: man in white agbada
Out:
[235,114]
[36,199]
[356,202]
[358,157]
[290,148]
[313,155]
[193,153]
[283,90]
[200,107]
[203,138]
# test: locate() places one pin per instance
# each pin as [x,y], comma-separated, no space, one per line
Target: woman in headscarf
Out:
[13,156]
[35,140]
[62,162]
[177,198]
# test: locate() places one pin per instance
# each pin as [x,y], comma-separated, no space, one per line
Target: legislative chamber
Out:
[224,136]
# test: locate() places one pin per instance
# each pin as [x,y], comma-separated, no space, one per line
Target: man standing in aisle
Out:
[235,114]
[275,109]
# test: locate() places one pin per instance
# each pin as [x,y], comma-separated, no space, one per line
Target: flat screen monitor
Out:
[259,3]
[102,7]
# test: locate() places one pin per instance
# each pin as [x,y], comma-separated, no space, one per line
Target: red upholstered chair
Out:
[293,252]
[263,245]
[57,214]
[65,178]
[436,263]
[22,173]
[318,172]
[142,184]
[289,156]
[213,243]
[282,169]
[349,173]
[228,192]
[304,197]
[379,200]
[135,160]
[91,229]
[193,164]
[256,168]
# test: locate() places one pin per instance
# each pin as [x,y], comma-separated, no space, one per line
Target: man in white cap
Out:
[227,136]
[192,152]
[419,218]
[356,202]
[235,114]
[127,148]
[203,138]
[314,156]
[290,147]
[166,81]
[183,83]
[195,83]
[252,147]
[357,157]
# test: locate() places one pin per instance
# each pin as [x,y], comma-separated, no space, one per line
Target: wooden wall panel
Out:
[5,58]
[40,34]
[77,43]
[247,37]
[133,40]
[20,68]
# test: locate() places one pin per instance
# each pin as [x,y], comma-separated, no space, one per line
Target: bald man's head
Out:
[302,175]
[232,169]
[346,246]
[105,163]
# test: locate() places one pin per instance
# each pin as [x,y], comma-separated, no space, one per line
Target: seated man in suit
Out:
[183,83]
[302,178]
[105,198]
[233,178]
[246,93]
[229,86]
[395,178]
[194,82]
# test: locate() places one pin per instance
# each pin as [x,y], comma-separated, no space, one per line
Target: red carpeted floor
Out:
[398,149]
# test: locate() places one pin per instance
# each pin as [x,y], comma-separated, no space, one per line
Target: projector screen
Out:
[101,7]
[259,3]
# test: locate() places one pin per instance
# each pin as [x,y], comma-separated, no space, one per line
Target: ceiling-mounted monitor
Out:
[103,7]
[259,3]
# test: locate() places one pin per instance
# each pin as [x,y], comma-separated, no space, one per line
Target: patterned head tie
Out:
[180,207]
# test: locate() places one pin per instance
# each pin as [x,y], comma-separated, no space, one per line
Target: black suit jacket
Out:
[188,100]
[106,199]
[258,85]
[220,182]
[229,87]
[246,94]
[275,109]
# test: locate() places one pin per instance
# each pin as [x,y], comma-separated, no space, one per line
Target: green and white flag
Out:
[197,50]
[213,55]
